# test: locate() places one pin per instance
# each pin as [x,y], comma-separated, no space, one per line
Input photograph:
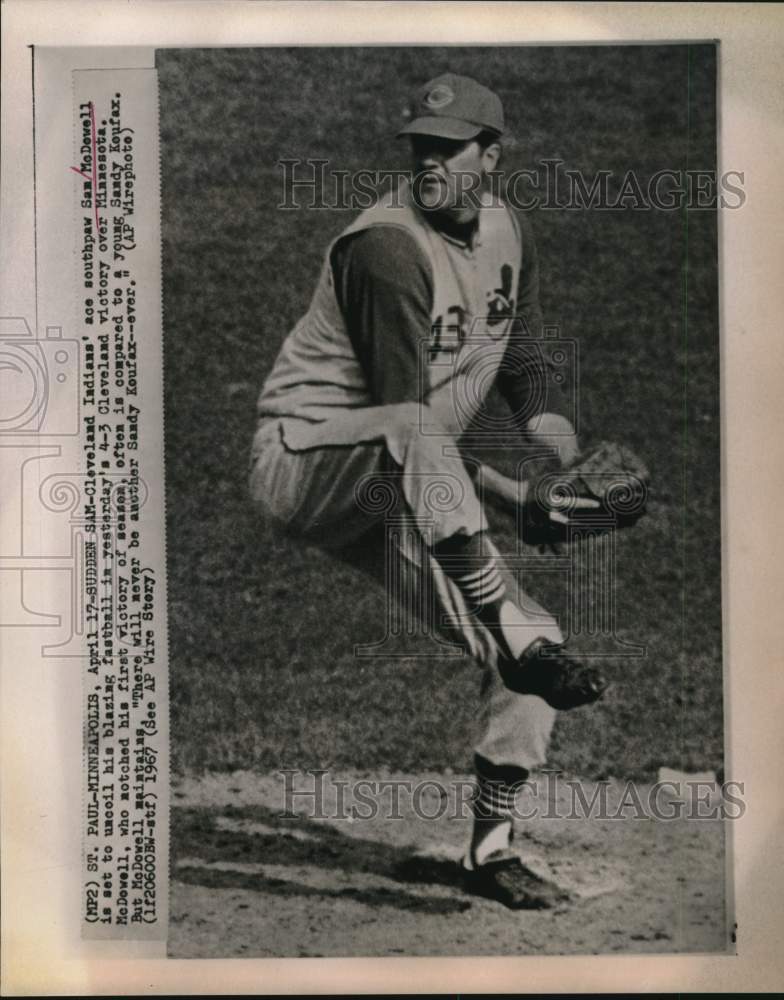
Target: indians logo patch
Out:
[500,304]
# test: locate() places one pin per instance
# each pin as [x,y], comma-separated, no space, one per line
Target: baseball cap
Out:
[454,107]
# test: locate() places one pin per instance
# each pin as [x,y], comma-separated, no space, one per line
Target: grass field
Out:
[262,630]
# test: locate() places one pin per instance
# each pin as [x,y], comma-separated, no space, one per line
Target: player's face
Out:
[449,172]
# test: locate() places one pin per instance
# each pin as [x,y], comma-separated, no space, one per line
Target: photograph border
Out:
[751,302]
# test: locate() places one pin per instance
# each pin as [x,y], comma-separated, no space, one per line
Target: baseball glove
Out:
[604,489]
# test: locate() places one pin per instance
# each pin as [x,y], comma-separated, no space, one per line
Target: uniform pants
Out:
[334,486]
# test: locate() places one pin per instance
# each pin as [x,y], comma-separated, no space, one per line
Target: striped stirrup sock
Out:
[494,798]
[497,787]
[481,587]
[493,809]
[465,561]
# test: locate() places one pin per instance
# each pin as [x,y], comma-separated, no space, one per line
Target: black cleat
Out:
[508,881]
[543,669]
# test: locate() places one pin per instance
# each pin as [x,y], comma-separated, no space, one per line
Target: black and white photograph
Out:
[442,434]
[390,400]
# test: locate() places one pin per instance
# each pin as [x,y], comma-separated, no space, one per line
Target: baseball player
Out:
[424,302]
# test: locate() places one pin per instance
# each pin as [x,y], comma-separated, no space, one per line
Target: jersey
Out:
[318,374]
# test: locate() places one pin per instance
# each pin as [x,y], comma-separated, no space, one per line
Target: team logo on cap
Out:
[439,96]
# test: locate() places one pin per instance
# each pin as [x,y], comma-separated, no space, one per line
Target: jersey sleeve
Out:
[384,287]
[525,379]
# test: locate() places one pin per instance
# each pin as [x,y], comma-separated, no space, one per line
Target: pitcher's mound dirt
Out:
[384,879]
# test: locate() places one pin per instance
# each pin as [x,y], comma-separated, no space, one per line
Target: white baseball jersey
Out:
[317,375]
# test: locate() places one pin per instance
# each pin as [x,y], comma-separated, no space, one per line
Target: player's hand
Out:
[551,430]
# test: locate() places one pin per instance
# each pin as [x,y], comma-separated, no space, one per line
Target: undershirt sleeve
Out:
[384,287]
[529,309]
[526,380]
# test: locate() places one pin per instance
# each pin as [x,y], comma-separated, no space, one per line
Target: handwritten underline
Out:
[93,176]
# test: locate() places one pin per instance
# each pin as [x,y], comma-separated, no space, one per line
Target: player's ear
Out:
[490,156]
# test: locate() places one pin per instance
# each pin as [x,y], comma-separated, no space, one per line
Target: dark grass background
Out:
[262,629]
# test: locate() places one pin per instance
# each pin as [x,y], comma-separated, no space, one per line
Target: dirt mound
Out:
[256,873]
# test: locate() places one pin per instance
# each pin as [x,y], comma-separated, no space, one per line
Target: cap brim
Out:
[441,126]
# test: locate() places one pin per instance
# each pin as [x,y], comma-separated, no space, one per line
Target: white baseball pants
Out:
[331,483]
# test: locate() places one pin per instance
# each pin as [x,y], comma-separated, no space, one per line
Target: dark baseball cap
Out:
[454,107]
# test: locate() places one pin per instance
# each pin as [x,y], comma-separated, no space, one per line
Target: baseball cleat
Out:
[507,880]
[543,669]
